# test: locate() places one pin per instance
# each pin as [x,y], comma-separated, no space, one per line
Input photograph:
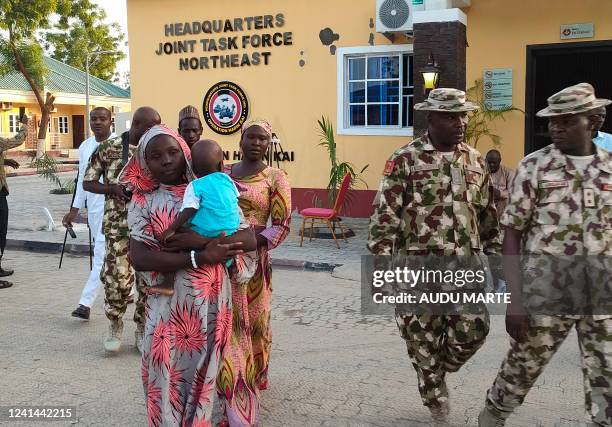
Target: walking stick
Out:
[67,228]
[90,249]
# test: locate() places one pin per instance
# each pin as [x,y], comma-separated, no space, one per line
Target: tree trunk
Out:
[46,106]
[40,147]
[42,133]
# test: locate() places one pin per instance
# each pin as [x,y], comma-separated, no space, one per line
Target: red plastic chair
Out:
[327,216]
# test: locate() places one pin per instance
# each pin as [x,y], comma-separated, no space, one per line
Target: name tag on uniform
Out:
[606,187]
[553,184]
[589,197]
[456,175]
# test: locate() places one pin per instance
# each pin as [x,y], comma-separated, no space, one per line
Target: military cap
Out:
[575,99]
[446,100]
[189,112]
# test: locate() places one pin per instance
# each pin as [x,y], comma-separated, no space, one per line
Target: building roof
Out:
[64,78]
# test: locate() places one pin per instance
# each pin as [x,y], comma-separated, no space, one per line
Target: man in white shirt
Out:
[602,139]
[100,122]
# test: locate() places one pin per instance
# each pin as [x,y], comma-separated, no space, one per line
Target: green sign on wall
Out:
[417,2]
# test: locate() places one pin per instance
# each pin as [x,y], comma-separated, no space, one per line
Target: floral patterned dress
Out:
[244,371]
[185,334]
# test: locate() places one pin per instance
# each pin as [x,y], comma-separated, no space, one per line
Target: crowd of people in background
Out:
[203,285]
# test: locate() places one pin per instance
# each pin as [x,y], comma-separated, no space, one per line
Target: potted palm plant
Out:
[336,172]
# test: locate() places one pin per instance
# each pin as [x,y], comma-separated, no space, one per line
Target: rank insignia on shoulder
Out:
[388,168]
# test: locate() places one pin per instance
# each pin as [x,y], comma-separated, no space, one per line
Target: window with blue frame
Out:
[379,91]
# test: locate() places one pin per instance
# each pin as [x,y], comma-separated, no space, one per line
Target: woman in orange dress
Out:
[265,199]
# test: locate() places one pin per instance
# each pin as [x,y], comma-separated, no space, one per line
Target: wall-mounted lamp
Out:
[431,74]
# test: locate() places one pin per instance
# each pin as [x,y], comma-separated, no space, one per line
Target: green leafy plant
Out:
[81,28]
[338,169]
[46,167]
[481,121]
[20,51]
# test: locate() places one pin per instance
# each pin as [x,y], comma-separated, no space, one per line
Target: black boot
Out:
[82,312]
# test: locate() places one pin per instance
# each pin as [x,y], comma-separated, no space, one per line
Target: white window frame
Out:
[342,55]
[60,130]
[13,120]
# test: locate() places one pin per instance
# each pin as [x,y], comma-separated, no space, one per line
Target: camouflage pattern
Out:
[575,99]
[446,100]
[107,162]
[5,145]
[432,357]
[549,206]
[525,362]
[547,203]
[117,276]
[139,310]
[427,205]
[419,210]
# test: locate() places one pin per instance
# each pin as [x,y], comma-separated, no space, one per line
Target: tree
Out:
[19,51]
[123,80]
[81,29]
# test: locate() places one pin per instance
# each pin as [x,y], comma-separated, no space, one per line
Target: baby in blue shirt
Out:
[210,203]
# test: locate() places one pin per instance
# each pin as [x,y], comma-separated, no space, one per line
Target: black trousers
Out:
[4,212]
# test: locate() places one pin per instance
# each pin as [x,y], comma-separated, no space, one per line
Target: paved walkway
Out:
[330,366]
[28,222]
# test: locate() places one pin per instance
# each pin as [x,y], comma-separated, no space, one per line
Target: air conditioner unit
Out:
[394,16]
[6,105]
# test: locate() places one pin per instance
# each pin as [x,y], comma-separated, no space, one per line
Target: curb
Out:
[60,169]
[46,247]
[82,249]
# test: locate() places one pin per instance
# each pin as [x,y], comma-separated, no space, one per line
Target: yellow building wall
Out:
[292,98]
[499,32]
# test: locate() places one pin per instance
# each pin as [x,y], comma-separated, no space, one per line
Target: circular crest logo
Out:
[225,108]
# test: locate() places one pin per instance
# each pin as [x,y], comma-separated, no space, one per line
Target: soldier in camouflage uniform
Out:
[560,205]
[435,198]
[117,274]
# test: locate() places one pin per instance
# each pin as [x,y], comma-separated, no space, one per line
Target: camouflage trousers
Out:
[438,344]
[117,275]
[525,361]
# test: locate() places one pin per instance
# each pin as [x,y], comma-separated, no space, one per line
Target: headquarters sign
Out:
[223,43]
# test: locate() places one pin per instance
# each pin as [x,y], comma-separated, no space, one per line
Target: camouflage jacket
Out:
[559,211]
[107,162]
[428,204]
[7,144]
